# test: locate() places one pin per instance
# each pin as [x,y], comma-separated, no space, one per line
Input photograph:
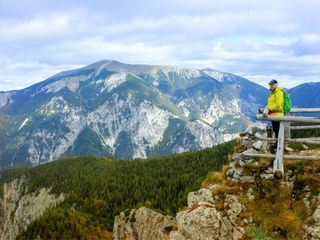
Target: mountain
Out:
[306,95]
[124,111]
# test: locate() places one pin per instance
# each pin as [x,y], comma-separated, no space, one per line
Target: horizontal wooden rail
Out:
[308,138]
[300,110]
[304,127]
[288,119]
[287,157]
[305,110]
[300,140]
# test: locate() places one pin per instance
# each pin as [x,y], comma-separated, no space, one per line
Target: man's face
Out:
[273,86]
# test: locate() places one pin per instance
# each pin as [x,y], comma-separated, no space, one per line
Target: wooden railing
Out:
[285,136]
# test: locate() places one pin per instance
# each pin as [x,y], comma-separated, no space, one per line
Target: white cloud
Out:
[18,75]
[250,38]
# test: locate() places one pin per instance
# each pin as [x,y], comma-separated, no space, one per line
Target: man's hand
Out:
[265,112]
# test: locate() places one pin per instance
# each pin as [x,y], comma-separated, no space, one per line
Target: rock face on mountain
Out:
[245,201]
[200,220]
[143,223]
[19,208]
[124,111]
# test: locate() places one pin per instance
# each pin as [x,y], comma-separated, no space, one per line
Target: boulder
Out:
[142,224]
[200,197]
[200,223]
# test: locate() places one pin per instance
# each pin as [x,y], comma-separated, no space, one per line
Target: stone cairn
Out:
[252,141]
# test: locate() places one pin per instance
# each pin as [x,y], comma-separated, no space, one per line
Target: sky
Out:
[258,40]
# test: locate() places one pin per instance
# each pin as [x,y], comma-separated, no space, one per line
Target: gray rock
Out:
[241,163]
[249,130]
[236,176]
[260,135]
[248,179]
[269,170]
[230,172]
[288,149]
[266,176]
[142,224]
[250,194]
[290,176]
[262,127]
[256,127]
[316,215]
[305,147]
[258,145]
[232,164]
[249,151]
[255,164]
[238,171]
[248,160]
[200,197]
[226,227]
[234,208]
[200,223]
[237,233]
[236,156]
[175,235]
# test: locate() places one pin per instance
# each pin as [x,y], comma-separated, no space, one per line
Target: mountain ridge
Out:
[128,111]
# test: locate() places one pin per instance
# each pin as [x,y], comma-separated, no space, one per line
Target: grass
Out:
[257,233]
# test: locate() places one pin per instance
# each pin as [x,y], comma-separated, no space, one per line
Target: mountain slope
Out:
[97,189]
[306,95]
[127,111]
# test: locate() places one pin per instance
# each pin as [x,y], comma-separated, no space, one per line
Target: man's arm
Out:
[265,111]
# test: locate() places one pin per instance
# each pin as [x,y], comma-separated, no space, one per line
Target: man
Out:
[275,106]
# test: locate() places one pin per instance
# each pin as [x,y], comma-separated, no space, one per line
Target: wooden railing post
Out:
[287,130]
[278,171]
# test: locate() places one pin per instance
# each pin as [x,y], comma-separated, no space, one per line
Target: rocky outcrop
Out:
[236,203]
[313,229]
[18,209]
[142,224]
[200,220]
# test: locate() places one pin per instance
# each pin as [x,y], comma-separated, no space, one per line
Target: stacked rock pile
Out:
[252,142]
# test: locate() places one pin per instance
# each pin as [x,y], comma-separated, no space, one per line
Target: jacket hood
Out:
[279,88]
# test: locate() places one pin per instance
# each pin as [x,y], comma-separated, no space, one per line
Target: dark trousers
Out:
[275,127]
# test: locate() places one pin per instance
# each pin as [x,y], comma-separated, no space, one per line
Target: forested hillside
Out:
[98,189]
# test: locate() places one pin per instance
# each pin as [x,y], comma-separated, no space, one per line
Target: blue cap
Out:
[273,81]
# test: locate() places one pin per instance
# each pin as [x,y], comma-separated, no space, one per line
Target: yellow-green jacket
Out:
[275,102]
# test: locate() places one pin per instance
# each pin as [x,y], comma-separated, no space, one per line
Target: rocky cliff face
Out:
[200,220]
[244,201]
[19,208]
